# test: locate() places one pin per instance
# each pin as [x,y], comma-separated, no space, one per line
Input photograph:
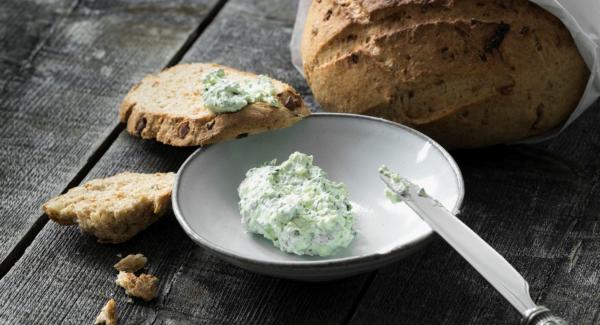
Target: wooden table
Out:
[65,66]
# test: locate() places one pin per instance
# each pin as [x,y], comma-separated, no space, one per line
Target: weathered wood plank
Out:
[539,209]
[24,27]
[538,206]
[67,277]
[60,101]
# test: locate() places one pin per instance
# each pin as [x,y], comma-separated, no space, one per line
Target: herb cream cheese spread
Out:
[225,95]
[398,182]
[296,207]
[401,185]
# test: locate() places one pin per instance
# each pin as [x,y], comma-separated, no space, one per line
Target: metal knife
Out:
[491,265]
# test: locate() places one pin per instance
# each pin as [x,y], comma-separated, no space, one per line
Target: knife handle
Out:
[542,316]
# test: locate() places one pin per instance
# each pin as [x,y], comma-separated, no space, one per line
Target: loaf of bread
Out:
[468,73]
[168,106]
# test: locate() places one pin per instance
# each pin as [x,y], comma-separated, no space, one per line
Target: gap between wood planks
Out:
[19,249]
[359,298]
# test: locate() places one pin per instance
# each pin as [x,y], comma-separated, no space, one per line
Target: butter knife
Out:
[491,265]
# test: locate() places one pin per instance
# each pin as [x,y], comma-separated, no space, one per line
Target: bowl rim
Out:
[337,262]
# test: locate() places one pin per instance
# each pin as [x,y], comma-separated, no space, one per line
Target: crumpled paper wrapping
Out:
[581,17]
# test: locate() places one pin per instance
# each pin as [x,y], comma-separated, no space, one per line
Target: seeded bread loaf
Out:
[168,107]
[468,73]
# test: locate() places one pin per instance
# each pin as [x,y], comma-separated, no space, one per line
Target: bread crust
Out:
[168,107]
[468,73]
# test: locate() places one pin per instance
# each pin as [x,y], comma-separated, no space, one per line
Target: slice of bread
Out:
[116,208]
[168,107]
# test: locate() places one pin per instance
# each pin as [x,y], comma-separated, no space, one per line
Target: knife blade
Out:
[486,260]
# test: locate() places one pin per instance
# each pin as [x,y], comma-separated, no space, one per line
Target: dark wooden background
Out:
[65,66]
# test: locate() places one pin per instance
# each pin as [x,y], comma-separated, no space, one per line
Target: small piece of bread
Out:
[108,314]
[168,107]
[131,263]
[144,286]
[116,208]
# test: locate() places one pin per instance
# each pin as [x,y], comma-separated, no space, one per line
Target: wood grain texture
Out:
[538,206]
[21,39]
[65,67]
[66,277]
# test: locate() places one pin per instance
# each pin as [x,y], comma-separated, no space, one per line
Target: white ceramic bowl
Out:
[350,149]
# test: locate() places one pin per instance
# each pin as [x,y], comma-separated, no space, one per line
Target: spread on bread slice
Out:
[198,104]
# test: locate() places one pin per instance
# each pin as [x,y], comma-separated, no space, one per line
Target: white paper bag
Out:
[581,17]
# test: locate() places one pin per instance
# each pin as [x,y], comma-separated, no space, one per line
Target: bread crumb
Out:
[131,263]
[108,314]
[144,286]
[120,255]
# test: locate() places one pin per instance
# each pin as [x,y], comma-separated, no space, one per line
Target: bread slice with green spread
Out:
[198,104]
